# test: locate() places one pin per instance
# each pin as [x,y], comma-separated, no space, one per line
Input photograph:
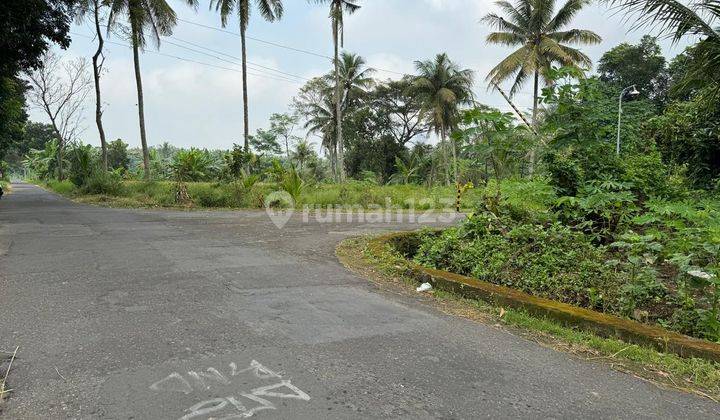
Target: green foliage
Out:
[541,36]
[656,263]
[688,135]
[104,182]
[28,29]
[12,111]
[43,163]
[583,125]
[292,184]
[265,142]
[492,138]
[192,165]
[641,65]
[601,209]
[551,261]
[235,161]
[406,171]
[118,158]
[65,187]
[83,163]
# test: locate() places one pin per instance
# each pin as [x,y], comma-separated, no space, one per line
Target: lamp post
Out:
[632,92]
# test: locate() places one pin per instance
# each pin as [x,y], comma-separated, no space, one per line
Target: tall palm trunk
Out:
[97,64]
[454,158]
[246,125]
[531,166]
[443,146]
[338,109]
[141,104]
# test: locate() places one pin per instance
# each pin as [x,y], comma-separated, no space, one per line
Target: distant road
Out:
[168,314]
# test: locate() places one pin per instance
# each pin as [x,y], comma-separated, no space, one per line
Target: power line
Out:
[238,59]
[279,45]
[273,77]
[275,44]
[250,63]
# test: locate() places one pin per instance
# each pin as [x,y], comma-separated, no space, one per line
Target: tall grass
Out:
[368,195]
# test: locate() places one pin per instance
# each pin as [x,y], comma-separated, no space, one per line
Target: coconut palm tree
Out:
[337,10]
[355,79]
[679,19]
[303,152]
[93,8]
[322,122]
[146,17]
[270,10]
[542,40]
[442,87]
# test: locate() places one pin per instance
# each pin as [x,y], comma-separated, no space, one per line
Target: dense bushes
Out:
[551,260]
[655,261]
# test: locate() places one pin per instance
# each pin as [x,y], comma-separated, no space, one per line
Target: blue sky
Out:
[189,104]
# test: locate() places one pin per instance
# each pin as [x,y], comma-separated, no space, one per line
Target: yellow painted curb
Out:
[599,323]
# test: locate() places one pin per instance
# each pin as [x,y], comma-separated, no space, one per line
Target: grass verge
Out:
[694,375]
[228,195]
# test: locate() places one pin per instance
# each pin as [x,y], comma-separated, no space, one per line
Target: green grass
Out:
[690,374]
[233,195]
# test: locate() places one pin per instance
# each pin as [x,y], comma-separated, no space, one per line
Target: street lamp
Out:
[631,92]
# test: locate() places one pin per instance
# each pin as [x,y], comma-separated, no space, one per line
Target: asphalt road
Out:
[163,314]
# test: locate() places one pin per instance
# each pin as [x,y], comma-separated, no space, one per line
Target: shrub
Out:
[550,260]
[65,187]
[83,164]
[101,182]
[208,195]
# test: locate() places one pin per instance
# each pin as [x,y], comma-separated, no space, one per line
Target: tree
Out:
[93,7]
[43,162]
[34,136]
[117,155]
[493,138]
[641,65]
[60,90]
[192,165]
[542,40]
[337,10]
[442,87]
[688,134]
[283,125]
[265,142]
[678,20]
[28,29]
[355,79]
[398,110]
[303,152]
[12,113]
[321,120]
[270,10]
[157,18]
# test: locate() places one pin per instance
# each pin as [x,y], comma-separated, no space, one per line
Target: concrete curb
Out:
[599,323]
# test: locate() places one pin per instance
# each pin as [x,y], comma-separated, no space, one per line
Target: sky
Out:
[192,104]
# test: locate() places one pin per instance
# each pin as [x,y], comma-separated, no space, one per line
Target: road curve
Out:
[149,314]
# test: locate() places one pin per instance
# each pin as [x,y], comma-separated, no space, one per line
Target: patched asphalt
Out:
[149,314]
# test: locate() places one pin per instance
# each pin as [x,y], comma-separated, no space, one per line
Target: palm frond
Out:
[518,16]
[505,38]
[565,14]
[672,17]
[576,36]
[499,23]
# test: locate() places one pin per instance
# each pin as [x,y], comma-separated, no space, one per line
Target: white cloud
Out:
[192,104]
